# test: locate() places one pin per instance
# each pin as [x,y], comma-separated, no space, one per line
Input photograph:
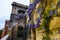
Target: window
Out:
[21,12]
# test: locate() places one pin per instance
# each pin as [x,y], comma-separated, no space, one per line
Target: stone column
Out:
[14,32]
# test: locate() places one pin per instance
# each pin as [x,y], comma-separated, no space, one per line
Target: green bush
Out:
[0,32]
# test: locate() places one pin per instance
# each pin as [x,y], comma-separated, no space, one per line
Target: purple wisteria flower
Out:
[17,16]
[24,15]
[30,25]
[30,9]
[38,20]
[40,16]
[58,4]
[56,11]
[36,25]
[32,6]
[37,1]
[40,10]
[51,13]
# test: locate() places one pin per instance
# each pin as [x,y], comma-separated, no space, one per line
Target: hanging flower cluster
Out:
[19,16]
[32,6]
[40,10]
[58,4]
[37,1]
[47,13]
[29,11]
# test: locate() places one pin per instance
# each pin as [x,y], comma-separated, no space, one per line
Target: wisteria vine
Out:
[29,11]
[46,15]
[31,7]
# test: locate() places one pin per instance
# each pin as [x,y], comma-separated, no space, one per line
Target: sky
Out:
[5,10]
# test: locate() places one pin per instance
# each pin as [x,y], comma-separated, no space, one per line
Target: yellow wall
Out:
[53,26]
[55,35]
[55,23]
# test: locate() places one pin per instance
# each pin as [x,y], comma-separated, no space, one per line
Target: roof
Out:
[19,5]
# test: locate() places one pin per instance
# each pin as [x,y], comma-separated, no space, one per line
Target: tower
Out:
[18,21]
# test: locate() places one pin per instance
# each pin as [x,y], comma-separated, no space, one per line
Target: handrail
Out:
[5,37]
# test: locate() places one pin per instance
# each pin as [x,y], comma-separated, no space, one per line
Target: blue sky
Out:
[5,10]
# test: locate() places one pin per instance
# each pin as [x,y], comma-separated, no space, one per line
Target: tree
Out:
[0,33]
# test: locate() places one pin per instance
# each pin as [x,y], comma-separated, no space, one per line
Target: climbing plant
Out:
[46,9]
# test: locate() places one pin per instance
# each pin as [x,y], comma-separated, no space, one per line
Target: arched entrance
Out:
[20,32]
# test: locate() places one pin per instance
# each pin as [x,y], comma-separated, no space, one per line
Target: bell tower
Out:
[18,21]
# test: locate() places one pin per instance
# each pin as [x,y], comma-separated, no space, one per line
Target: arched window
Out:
[21,12]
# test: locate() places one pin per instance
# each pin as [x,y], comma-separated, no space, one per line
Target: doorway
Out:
[20,32]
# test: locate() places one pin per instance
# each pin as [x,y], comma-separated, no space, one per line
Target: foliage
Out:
[48,9]
[0,32]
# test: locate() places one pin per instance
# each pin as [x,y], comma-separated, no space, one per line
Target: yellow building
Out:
[54,25]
